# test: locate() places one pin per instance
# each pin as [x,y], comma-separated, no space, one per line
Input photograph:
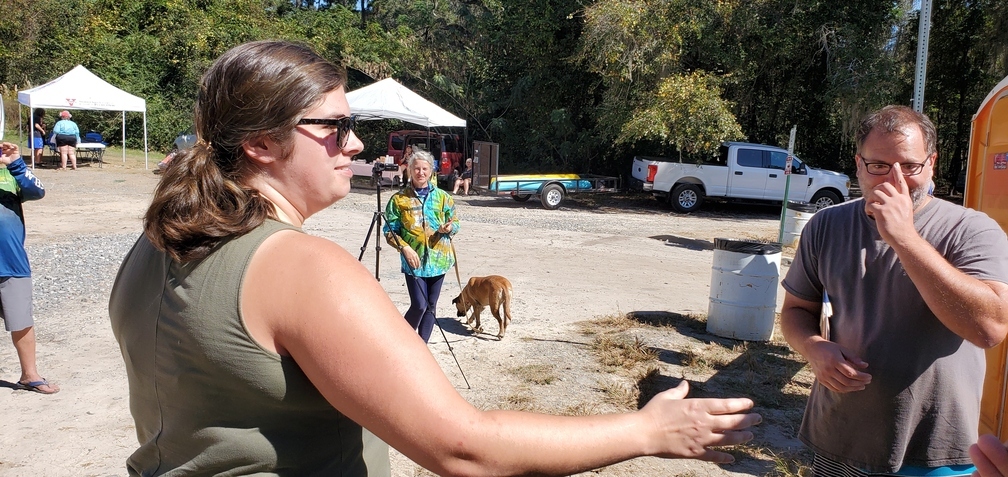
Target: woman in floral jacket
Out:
[420,222]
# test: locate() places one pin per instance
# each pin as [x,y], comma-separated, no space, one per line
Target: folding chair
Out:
[94,136]
[50,144]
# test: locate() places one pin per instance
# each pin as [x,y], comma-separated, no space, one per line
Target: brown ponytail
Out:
[255,89]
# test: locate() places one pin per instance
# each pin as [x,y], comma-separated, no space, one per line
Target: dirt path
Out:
[621,257]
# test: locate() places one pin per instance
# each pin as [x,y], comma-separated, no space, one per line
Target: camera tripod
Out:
[376,220]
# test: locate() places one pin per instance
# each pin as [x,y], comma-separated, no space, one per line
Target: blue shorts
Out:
[16,303]
[37,142]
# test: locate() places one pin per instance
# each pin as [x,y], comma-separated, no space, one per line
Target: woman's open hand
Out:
[689,427]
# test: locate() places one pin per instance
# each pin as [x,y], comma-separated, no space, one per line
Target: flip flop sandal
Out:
[36,386]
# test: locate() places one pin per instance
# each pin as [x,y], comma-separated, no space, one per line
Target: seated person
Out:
[403,161]
[463,178]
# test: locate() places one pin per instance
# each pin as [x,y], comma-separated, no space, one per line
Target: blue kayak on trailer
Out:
[551,188]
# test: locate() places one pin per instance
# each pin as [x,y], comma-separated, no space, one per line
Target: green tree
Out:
[961,71]
[686,112]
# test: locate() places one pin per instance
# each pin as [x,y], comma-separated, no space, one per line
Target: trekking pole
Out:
[443,335]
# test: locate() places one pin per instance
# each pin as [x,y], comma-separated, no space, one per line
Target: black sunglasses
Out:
[343,126]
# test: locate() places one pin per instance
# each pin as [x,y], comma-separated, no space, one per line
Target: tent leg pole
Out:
[145,140]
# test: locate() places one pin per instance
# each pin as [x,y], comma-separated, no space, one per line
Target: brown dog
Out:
[494,291]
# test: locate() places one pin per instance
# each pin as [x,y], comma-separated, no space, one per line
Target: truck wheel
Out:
[825,198]
[552,195]
[521,197]
[686,198]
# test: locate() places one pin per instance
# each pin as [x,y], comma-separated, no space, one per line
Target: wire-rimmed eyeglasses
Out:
[341,126]
[883,168]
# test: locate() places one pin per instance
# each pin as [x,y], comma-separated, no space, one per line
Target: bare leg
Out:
[64,152]
[73,156]
[24,343]
[465,186]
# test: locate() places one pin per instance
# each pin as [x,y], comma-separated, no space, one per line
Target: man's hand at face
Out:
[890,204]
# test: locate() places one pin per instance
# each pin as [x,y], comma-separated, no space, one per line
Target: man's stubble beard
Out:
[918,195]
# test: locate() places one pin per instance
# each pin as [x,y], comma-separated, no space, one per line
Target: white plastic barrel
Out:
[796,215]
[743,291]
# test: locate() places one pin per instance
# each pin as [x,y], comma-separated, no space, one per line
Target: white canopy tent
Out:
[387,99]
[82,89]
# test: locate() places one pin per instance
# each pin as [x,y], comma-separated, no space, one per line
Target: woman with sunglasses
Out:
[254,348]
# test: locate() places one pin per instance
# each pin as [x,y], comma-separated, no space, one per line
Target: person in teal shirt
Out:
[67,137]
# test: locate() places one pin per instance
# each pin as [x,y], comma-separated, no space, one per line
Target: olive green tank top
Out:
[207,399]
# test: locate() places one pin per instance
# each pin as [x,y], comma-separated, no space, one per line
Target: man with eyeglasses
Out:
[918,287]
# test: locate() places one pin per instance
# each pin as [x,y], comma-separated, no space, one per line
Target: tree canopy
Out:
[562,85]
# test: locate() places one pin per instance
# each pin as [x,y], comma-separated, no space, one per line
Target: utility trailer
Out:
[550,188]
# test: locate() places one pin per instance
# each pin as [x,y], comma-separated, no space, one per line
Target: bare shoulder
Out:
[309,270]
[298,285]
[302,251]
[302,263]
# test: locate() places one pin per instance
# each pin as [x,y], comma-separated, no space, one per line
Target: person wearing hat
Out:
[67,138]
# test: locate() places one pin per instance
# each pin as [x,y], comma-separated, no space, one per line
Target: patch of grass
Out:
[535,373]
[786,463]
[621,352]
[608,324]
[520,400]
[581,409]
[696,322]
[651,382]
[621,395]
[771,374]
[791,464]
[708,359]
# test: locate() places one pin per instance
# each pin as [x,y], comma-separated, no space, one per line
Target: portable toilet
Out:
[987,191]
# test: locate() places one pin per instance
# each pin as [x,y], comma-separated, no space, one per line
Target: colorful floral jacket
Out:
[414,222]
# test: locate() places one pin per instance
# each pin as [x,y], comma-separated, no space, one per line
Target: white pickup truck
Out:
[743,171]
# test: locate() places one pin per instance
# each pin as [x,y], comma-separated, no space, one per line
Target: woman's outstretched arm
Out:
[308,298]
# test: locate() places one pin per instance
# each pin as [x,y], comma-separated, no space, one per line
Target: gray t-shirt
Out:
[922,407]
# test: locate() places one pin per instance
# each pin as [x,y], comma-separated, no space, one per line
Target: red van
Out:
[446,148]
